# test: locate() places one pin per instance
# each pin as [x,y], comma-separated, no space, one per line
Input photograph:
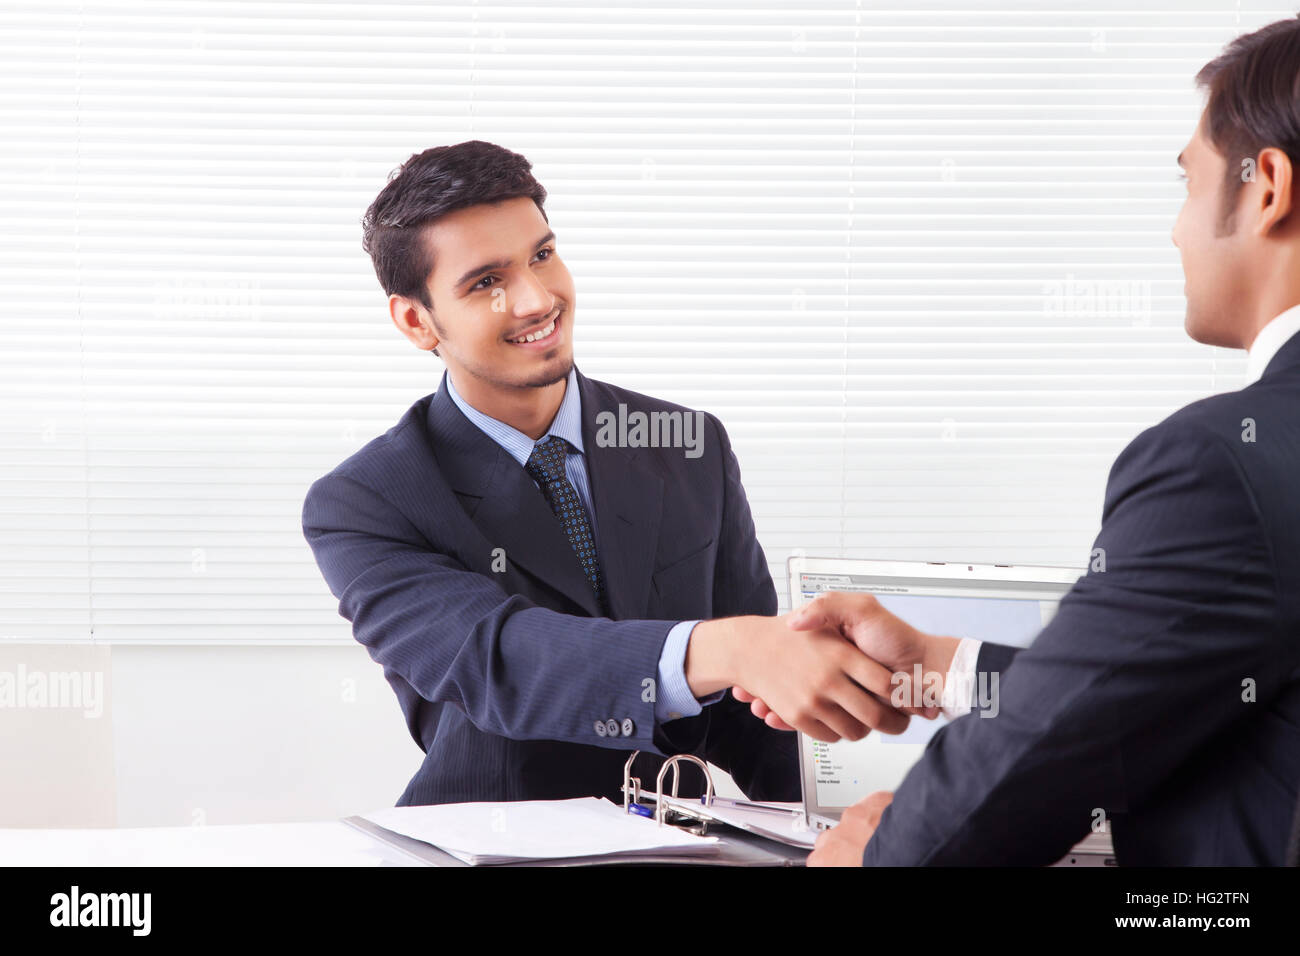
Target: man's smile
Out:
[540,336]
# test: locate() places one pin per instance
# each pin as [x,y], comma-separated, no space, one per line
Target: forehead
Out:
[469,237]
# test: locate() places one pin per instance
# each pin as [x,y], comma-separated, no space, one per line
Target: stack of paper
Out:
[585,827]
[783,822]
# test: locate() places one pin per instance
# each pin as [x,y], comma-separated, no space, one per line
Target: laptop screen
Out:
[989,603]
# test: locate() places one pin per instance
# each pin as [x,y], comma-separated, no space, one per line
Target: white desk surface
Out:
[331,843]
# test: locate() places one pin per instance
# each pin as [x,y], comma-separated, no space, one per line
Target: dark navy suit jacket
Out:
[504,675]
[1166,690]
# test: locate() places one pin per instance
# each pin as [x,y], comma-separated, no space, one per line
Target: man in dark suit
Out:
[1164,696]
[528,552]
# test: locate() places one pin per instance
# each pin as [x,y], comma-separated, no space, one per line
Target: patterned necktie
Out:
[546,465]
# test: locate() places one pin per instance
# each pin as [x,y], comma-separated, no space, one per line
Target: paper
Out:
[783,822]
[494,833]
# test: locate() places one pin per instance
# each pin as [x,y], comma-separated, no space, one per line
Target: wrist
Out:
[938,655]
[710,657]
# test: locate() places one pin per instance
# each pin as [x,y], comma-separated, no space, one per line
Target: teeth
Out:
[540,334]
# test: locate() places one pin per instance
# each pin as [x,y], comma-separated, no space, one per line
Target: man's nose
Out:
[531,296]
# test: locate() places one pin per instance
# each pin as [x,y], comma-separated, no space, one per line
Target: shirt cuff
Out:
[674,698]
[959,684]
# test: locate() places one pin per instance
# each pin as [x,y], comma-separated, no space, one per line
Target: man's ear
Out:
[1275,179]
[413,321]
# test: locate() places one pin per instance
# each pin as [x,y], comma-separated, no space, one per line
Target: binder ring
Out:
[661,808]
[632,785]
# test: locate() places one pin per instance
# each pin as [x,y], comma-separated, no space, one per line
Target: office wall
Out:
[915,255]
[188,736]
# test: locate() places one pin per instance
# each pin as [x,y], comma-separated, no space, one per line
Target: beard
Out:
[555,370]
[550,375]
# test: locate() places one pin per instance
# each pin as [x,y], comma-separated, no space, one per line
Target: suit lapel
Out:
[504,503]
[628,500]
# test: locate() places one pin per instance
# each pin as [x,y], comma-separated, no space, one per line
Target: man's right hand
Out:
[813,679]
[887,638]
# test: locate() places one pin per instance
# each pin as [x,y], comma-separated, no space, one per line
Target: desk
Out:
[332,843]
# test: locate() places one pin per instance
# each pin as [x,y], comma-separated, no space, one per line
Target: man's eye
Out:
[479,284]
[550,250]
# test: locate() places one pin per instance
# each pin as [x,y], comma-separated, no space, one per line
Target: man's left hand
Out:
[844,845]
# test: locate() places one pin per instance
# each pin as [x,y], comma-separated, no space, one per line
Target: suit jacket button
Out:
[611,727]
[601,729]
[628,727]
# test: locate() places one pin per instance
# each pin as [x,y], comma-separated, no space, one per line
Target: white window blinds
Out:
[915,255]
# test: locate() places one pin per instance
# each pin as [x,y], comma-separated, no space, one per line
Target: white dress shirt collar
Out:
[567,422]
[1270,339]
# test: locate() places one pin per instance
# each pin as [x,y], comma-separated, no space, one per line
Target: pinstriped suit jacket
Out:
[1166,690]
[503,675]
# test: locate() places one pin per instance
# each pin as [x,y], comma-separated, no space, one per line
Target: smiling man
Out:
[531,583]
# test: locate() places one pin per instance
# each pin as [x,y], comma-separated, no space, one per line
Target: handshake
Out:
[835,669]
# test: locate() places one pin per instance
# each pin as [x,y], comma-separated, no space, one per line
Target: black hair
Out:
[426,187]
[1254,101]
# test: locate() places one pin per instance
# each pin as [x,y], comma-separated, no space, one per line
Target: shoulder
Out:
[1222,416]
[629,419]
[1196,451]
[1219,424]
[377,461]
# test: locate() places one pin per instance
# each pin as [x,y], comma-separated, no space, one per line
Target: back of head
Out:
[1254,100]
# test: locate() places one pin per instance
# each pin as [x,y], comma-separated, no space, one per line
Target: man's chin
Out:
[1205,331]
[556,370]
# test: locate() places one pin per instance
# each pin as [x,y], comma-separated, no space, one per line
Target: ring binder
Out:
[697,818]
[632,786]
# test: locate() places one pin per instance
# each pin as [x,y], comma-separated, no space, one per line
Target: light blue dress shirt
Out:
[673,697]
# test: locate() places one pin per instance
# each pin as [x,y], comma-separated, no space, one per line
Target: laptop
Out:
[1009,604]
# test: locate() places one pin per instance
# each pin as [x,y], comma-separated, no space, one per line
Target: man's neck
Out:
[529,409]
[1270,310]
[1278,288]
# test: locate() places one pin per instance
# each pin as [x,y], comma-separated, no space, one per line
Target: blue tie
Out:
[546,465]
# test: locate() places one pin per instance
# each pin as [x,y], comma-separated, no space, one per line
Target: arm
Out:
[995,657]
[515,669]
[1141,666]
[529,673]
[972,665]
